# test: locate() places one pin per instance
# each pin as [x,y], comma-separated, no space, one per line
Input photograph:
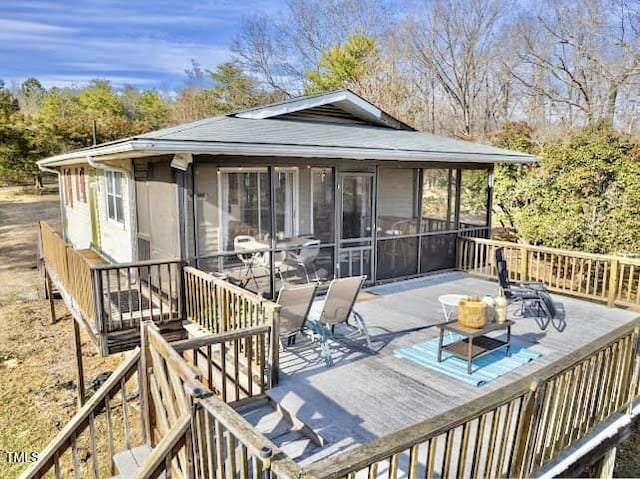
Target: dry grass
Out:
[37,379]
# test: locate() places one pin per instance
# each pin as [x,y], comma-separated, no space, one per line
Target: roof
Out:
[302,127]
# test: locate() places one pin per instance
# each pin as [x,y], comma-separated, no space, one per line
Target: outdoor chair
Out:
[546,311]
[503,276]
[305,258]
[337,310]
[295,304]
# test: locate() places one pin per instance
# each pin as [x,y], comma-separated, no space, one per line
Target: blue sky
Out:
[144,43]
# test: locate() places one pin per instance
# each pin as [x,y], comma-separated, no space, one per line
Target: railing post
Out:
[613,282]
[265,454]
[145,390]
[524,264]
[98,311]
[275,346]
[182,298]
[634,380]
[526,432]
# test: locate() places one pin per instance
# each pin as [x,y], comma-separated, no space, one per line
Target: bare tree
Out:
[585,55]
[279,49]
[456,43]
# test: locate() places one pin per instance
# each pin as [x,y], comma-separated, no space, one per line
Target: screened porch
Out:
[267,225]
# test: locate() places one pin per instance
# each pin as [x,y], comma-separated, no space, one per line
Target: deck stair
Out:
[127,462]
[297,440]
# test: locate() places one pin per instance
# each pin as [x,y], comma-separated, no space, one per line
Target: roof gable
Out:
[341,106]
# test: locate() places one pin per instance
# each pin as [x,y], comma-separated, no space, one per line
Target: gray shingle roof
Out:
[228,129]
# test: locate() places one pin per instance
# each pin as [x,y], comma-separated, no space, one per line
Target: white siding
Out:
[115,237]
[77,217]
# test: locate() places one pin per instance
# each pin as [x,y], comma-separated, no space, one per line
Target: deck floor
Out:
[365,395]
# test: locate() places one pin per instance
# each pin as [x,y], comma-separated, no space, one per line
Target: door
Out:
[355,240]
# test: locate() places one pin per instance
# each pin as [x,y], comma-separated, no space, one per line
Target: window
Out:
[245,210]
[80,185]
[68,187]
[115,201]
[286,202]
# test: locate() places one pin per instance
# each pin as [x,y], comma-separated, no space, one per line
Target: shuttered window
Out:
[68,187]
[115,200]
[81,192]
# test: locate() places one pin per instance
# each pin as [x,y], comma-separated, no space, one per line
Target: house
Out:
[302,191]
[306,189]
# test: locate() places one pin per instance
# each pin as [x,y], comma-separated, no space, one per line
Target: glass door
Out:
[356,224]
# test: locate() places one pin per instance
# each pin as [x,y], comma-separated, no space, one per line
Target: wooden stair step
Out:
[128,461]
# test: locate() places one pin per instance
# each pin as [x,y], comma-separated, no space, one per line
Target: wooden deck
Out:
[365,396]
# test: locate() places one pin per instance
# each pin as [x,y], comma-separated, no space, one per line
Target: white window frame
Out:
[110,191]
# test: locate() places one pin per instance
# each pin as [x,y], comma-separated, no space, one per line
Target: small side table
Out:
[449,304]
[475,342]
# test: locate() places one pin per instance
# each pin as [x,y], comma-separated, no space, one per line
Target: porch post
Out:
[490,182]
[77,343]
[272,220]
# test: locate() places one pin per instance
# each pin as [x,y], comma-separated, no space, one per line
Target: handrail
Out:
[80,421]
[210,339]
[607,278]
[395,443]
[134,264]
[545,249]
[157,459]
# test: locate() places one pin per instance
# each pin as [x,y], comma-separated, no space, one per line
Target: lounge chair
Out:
[295,304]
[530,293]
[338,309]
[503,276]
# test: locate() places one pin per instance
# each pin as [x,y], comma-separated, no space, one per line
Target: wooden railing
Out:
[218,306]
[72,271]
[235,365]
[130,292]
[510,432]
[115,298]
[611,279]
[109,422]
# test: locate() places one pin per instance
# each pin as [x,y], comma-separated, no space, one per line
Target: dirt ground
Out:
[37,370]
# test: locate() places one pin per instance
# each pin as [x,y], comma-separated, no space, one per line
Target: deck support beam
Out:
[607,464]
[77,343]
[49,293]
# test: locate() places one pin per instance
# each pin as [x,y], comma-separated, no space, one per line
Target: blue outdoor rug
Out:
[484,369]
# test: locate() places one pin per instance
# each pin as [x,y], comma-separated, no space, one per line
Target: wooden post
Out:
[143,378]
[79,369]
[526,432]
[613,282]
[607,464]
[49,290]
[524,264]
[275,346]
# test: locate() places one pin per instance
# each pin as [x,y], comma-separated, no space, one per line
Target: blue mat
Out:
[484,369]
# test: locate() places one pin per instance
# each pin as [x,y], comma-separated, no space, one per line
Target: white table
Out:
[449,304]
